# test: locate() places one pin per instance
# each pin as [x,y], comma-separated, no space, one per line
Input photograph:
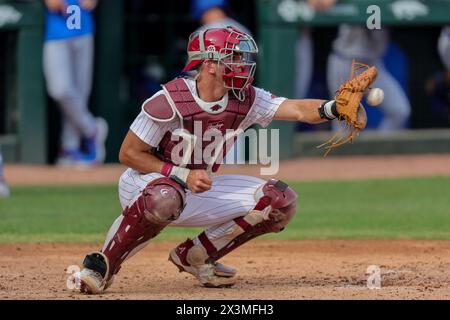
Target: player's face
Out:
[220,70]
[216,70]
[239,68]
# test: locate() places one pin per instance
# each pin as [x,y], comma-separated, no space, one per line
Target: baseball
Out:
[375,97]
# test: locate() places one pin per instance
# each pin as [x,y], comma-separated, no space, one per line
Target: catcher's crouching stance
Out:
[156,191]
[152,211]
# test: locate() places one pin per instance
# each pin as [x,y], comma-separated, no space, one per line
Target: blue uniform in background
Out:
[56,24]
[68,65]
[198,7]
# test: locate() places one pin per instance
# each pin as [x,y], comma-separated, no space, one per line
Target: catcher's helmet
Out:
[231,48]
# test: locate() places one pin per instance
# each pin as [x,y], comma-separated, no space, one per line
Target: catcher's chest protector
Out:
[198,121]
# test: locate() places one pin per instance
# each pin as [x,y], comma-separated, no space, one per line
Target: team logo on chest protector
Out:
[215,125]
[216,108]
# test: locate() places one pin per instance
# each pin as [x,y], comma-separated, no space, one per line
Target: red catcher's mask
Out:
[230,48]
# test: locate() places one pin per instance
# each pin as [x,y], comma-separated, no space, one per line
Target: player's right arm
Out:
[136,153]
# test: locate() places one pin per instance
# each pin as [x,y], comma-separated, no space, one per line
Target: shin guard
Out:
[272,213]
[160,203]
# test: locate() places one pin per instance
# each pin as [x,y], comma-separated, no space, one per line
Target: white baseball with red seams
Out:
[375,97]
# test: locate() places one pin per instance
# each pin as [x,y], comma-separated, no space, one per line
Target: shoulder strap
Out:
[178,91]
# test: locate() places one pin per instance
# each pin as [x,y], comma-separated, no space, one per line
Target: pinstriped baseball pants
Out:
[231,196]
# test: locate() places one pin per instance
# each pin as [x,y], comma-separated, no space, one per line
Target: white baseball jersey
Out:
[231,196]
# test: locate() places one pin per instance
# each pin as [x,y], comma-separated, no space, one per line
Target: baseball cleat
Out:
[69,158]
[94,279]
[91,282]
[93,149]
[210,275]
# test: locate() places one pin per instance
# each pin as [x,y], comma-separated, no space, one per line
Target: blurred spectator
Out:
[4,189]
[368,46]
[396,61]
[305,51]
[149,78]
[68,64]
[444,46]
[438,90]
[214,14]
[438,87]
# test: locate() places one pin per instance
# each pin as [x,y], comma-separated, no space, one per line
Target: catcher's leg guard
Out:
[199,257]
[160,203]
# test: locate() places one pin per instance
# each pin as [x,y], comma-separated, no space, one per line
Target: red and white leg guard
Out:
[272,213]
[160,203]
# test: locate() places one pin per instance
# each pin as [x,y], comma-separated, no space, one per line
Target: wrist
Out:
[169,170]
[166,169]
[328,110]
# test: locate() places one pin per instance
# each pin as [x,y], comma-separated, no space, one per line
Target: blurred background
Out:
[139,44]
[391,183]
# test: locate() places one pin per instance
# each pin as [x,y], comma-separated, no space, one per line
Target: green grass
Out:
[416,208]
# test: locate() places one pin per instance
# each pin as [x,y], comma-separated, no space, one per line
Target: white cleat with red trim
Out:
[190,258]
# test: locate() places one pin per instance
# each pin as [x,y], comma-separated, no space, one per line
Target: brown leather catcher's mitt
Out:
[348,105]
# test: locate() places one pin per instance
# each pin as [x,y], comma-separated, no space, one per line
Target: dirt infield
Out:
[343,168]
[266,269]
[279,270]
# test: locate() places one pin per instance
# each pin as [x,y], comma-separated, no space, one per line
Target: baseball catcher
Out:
[169,181]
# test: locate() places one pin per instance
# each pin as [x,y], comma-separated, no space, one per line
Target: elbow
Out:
[125,157]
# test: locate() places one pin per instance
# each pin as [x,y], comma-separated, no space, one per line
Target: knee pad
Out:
[279,202]
[163,200]
[274,210]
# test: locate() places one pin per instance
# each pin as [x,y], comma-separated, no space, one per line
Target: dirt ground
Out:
[343,168]
[266,269]
[279,270]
